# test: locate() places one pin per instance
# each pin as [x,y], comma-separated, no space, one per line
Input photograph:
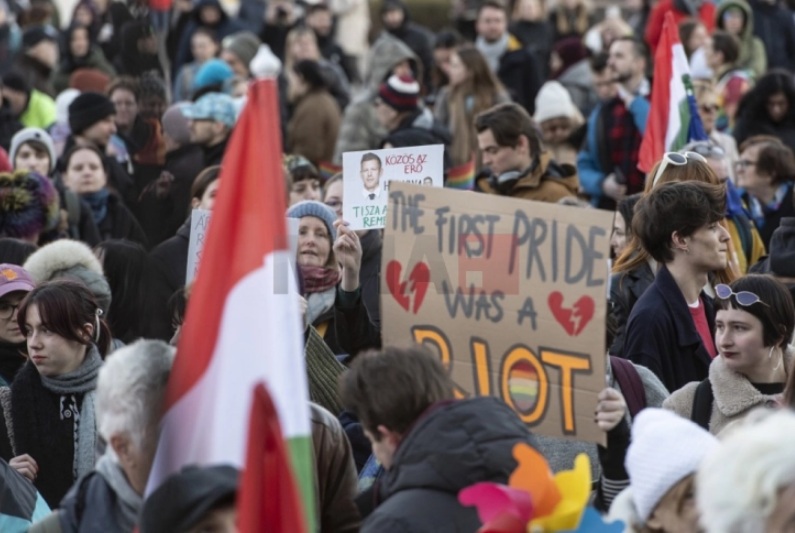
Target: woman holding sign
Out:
[316,262]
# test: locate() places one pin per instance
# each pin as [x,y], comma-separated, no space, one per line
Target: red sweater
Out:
[657,16]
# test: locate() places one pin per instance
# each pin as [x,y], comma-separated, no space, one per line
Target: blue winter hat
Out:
[310,208]
[212,72]
[213,106]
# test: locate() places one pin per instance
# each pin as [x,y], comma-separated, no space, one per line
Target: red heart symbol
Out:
[572,319]
[401,291]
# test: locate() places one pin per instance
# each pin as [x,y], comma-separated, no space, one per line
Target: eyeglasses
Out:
[708,108]
[708,150]
[744,298]
[744,163]
[7,310]
[676,159]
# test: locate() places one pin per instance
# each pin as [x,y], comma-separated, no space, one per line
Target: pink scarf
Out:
[319,279]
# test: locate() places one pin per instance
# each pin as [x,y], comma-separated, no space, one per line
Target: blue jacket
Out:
[662,336]
[589,160]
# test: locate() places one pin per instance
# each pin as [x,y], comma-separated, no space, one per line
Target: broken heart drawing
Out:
[575,318]
[402,290]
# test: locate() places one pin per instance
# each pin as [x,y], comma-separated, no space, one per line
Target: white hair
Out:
[737,486]
[130,390]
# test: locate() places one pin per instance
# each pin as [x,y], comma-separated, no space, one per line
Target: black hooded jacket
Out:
[131,61]
[452,446]
[417,37]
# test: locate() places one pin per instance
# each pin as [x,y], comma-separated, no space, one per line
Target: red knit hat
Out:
[401,93]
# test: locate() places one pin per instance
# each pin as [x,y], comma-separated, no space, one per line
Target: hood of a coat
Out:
[386,52]
[455,446]
[748,28]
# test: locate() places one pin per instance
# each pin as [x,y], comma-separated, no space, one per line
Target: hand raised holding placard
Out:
[348,250]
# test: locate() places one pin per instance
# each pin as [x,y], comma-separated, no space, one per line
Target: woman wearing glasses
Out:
[765,171]
[753,328]
[15,284]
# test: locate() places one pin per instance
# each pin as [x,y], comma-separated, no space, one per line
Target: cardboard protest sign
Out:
[199,222]
[509,293]
[366,178]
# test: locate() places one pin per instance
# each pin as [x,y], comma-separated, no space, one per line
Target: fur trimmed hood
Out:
[68,259]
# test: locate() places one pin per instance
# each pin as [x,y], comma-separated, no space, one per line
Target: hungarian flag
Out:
[242,326]
[267,473]
[673,118]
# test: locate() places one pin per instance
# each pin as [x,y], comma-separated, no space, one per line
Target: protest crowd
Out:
[666,126]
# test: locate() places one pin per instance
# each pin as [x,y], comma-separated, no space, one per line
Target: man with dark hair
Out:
[194,499]
[92,122]
[511,148]
[430,444]
[671,328]
[608,162]
[514,64]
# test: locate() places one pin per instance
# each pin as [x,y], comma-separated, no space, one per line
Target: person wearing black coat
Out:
[397,21]
[671,328]
[208,14]
[171,258]
[85,175]
[773,24]
[516,66]
[431,445]
[165,202]
[626,288]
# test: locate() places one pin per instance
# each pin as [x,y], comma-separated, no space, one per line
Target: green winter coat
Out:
[752,51]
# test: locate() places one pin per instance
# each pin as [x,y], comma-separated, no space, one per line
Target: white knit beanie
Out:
[553,100]
[665,449]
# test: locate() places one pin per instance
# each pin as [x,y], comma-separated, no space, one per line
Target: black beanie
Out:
[15,80]
[88,109]
[33,36]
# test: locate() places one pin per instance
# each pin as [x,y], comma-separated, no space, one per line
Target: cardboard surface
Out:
[199,223]
[367,175]
[510,294]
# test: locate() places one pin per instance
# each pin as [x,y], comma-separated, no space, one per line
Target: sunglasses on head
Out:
[676,159]
[744,298]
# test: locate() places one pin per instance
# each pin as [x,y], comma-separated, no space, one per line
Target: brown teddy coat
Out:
[735,396]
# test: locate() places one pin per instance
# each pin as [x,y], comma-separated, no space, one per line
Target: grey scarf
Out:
[83,380]
[492,51]
[318,303]
[128,502]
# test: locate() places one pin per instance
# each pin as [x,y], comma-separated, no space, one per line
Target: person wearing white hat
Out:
[662,460]
[747,484]
[559,119]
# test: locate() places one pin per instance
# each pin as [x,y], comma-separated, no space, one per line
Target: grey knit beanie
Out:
[310,208]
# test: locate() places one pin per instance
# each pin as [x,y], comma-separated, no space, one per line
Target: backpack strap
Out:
[702,404]
[631,385]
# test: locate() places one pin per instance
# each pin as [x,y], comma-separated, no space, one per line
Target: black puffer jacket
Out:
[453,446]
